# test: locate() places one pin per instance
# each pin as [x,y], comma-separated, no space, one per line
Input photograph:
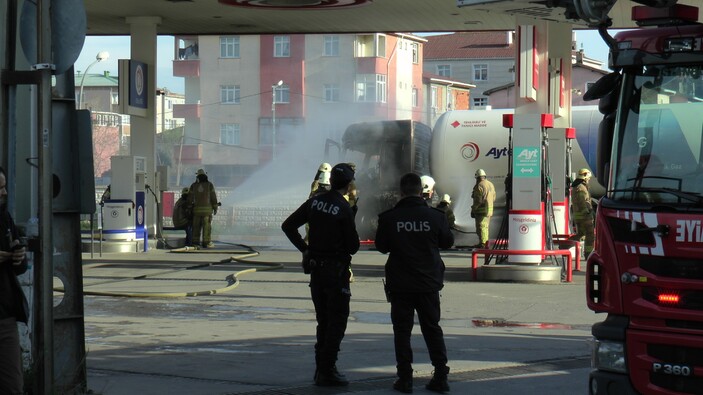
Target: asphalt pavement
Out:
[235,320]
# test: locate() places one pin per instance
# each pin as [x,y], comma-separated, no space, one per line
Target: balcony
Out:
[186,58]
[186,111]
[186,68]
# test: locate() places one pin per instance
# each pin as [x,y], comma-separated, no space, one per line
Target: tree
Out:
[106,144]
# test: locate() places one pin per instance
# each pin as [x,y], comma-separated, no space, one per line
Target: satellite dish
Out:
[68,27]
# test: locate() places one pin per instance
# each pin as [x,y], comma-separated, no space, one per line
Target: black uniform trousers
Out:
[330,291]
[10,358]
[403,307]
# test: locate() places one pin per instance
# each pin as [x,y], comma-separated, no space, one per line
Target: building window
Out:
[433,97]
[371,88]
[282,93]
[381,88]
[414,97]
[331,45]
[444,70]
[480,102]
[331,93]
[229,47]
[105,119]
[481,72]
[281,46]
[229,134]
[115,98]
[229,94]
[416,52]
[370,45]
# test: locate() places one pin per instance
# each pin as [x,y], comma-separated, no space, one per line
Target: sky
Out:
[119,48]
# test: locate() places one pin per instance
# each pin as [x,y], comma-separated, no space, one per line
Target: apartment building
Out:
[483,59]
[487,60]
[444,94]
[97,92]
[165,101]
[249,98]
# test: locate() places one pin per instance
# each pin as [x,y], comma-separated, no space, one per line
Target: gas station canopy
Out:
[202,17]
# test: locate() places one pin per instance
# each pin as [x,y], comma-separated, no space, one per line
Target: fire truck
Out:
[646,272]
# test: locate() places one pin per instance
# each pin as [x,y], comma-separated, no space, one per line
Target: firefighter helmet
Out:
[480,173]
[324,178]
[427,184]
[584,174]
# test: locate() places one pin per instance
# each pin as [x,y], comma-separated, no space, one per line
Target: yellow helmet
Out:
[480,173]
[584,174]
[325,167]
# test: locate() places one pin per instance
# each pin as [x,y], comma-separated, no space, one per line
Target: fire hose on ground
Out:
[232,279]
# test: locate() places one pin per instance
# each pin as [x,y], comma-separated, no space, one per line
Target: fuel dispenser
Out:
[526,227]
[124,216]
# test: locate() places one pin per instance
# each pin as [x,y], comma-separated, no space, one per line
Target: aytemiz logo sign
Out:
[470,151]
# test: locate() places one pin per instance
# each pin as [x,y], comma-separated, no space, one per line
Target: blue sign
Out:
[138,84]
[526,162]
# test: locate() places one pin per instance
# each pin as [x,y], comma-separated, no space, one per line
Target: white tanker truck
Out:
[465,141]
[460,143]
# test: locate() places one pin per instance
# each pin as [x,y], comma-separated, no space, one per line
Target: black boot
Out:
[404,385]
[439,382]
[334,370]
[330,378]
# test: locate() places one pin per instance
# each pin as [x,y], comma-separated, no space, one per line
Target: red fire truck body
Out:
[646,271]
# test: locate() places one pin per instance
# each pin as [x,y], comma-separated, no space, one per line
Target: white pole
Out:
[273,123]
[102,55]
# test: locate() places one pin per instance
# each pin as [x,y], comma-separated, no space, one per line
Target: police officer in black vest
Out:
[414,233]
[332,241]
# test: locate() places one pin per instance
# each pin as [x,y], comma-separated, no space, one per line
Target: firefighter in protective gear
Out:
[203,199]
[183,216]
[583,210]
[483,195]
[327,257]
[324,168]
[427,189]
[445,205]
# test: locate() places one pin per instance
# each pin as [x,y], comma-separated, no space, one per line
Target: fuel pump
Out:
[124,216]
[526,216]
[560,164]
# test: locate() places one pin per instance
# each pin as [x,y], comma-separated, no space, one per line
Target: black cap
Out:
[341,175]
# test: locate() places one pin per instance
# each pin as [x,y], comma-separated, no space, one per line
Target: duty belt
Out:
[318,262]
